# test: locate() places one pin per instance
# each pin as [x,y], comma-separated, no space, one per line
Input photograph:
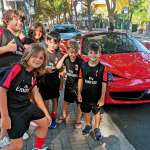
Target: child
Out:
[17,111]
[49,84]
[72,65]
[92,89]
[37,34]
[11,48]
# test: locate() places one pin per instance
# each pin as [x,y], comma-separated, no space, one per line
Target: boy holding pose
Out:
[92,89]
[72,63]
[49,84]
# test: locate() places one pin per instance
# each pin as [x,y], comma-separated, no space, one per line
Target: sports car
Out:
[128,66]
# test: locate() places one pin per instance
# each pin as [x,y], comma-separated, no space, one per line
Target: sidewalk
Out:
[68,138]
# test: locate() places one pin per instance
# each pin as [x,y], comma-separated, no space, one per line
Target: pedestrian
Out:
[92,89]
[17,111]
[49,84]
[72,63]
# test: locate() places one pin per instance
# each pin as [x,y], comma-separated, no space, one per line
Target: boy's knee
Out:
[46,123]
[17,145]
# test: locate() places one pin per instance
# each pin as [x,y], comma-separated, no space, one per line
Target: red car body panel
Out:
[147,45]
[131,75]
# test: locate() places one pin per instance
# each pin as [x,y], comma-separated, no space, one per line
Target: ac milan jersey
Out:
[92,81]
[18,95]
[72,72]
[53,58]
[9,58]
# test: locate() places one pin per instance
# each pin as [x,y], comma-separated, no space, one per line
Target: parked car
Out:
[67,32]
[128,64]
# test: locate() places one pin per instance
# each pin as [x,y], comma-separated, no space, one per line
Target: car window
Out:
[65,29]
[111,43]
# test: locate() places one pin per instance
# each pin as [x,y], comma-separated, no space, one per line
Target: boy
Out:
[72,63]
[16,88]
[92,89]
[49,83]
[11,48]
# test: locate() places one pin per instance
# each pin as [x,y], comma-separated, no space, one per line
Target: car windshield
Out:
[111,43]
[64,29]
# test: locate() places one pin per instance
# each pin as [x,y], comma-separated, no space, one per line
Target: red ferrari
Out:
[128,65]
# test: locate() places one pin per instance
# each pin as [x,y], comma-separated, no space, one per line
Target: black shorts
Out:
[49,86]
[70,96]
[20,120]
[88,107]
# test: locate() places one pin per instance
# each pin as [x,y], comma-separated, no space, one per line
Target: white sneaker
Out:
[25,136]
[4,141]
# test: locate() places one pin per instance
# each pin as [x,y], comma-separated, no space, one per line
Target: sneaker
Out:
[25,136]
[53,125]
[97,134]
[61,120]
[44,148]
[4,141]
[87,130]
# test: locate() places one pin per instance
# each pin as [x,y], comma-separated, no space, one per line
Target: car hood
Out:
[128,65]
[66,36]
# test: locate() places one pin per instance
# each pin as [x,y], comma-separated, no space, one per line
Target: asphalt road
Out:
[134,122]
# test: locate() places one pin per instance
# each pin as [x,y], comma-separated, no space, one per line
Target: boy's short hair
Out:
[9,14]
[73,44]
[53,35]
[95,47]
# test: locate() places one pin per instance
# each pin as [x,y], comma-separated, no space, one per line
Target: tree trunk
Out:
[111,12]
[75,10]
[89,15]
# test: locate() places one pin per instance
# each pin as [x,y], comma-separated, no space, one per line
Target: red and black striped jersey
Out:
[19,84]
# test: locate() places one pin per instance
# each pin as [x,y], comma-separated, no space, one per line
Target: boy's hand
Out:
[66,55]
[79,98]
[48,69]
[100,103]
[6,123]
[48,117]
[12,46]
[27,46]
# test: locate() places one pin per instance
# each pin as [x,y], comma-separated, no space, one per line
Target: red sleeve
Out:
[10,76]
[105,75]
[1,32]
[80,73]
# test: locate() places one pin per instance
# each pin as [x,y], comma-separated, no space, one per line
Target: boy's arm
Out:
[6,122]
[101,100]
[61,61]
[10,47]
[80,85]
[104,86]
[39,102]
